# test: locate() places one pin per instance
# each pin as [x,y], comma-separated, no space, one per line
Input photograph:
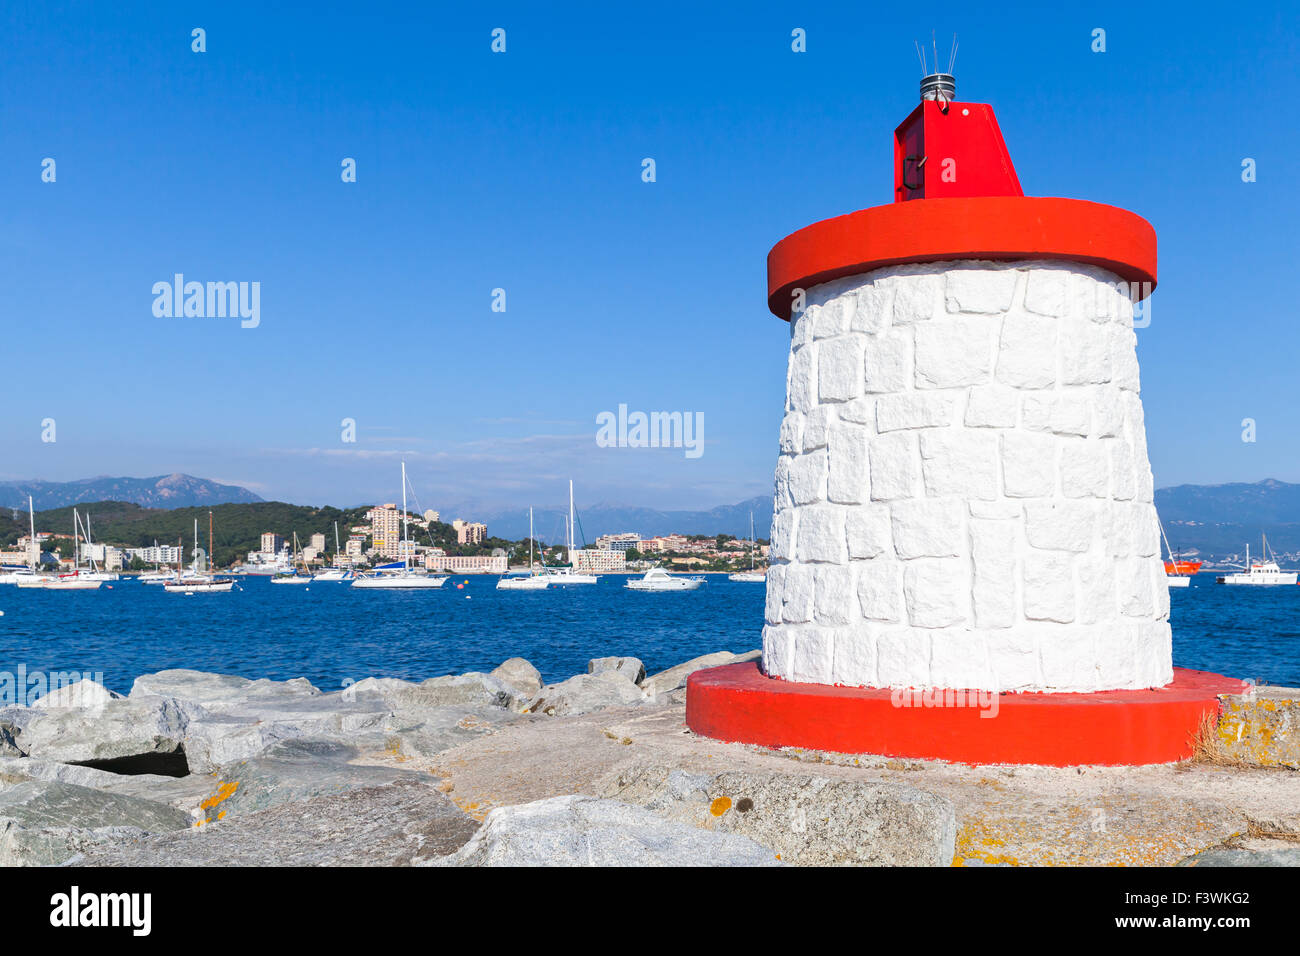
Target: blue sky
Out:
[522,171]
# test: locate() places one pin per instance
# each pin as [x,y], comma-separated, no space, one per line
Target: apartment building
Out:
[594,561]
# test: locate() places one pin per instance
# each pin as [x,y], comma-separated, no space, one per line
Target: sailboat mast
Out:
[530,540]
[210,539]
[32,555]
[405,553]
[76,542]
[571,529]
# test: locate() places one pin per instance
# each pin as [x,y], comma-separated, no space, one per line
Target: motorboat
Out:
[1261,573]
[333,574]
[562,577]
[657,579]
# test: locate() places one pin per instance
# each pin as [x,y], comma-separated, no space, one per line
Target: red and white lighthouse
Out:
[964,524]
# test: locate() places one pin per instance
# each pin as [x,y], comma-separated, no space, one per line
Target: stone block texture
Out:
[963,495]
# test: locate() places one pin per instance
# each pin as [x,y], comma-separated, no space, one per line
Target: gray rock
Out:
[586,831]
[16,718]
[33,768]
[457,690]
[425,732]
[119,728]
[675,677]
[523,677]
[810,821]
[45,822]
[1256,853]
[385,687]
[243,729]
[395,824]
[293,770]
[585,693]
[629,667]
[9,740]
[84,694]
[454,690]
[215,691]
[754,655]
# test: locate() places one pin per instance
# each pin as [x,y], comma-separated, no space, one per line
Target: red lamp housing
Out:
[945,150]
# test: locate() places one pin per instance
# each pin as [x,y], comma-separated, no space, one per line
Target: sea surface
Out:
[332,633]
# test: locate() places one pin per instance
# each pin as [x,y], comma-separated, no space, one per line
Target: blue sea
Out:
[332,633]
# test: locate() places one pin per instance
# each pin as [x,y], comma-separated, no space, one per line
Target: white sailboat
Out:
[1265,572]
[657,579]
[752,576]
[159,575]
[338,572]
[33,578]
[530,581]
[407,578]
[198,579]
[1173,580]
[293,575]
[71,581]
[563,576]
[93,572]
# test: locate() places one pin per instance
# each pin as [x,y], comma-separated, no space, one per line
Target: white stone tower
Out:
[963,495]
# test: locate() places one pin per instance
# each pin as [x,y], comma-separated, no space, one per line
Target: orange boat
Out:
[1182,567]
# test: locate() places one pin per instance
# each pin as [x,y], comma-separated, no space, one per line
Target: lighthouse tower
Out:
[963,502]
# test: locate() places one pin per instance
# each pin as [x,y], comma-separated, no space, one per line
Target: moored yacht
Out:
[1174,577]
[657,579]
[403,576]
[753,575]
[564,576]
[532,581]
[1263,572]
[72,581]
[334,574]
[197,580]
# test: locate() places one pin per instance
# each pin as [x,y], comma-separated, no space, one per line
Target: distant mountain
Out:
[611,519]
[164,491]
[1220,520]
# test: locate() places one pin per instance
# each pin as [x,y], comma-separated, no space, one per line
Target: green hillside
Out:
[237,528]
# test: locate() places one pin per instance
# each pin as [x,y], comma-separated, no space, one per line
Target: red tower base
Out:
[738,704]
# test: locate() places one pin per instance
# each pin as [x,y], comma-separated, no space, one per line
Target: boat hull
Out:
[399,583]
[523,584]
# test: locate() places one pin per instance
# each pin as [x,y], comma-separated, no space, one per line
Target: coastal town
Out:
[458,547]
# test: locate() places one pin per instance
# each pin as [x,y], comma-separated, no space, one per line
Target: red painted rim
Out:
[739,704]
[1002,228]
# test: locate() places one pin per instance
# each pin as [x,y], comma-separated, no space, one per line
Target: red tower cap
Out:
[957,196]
